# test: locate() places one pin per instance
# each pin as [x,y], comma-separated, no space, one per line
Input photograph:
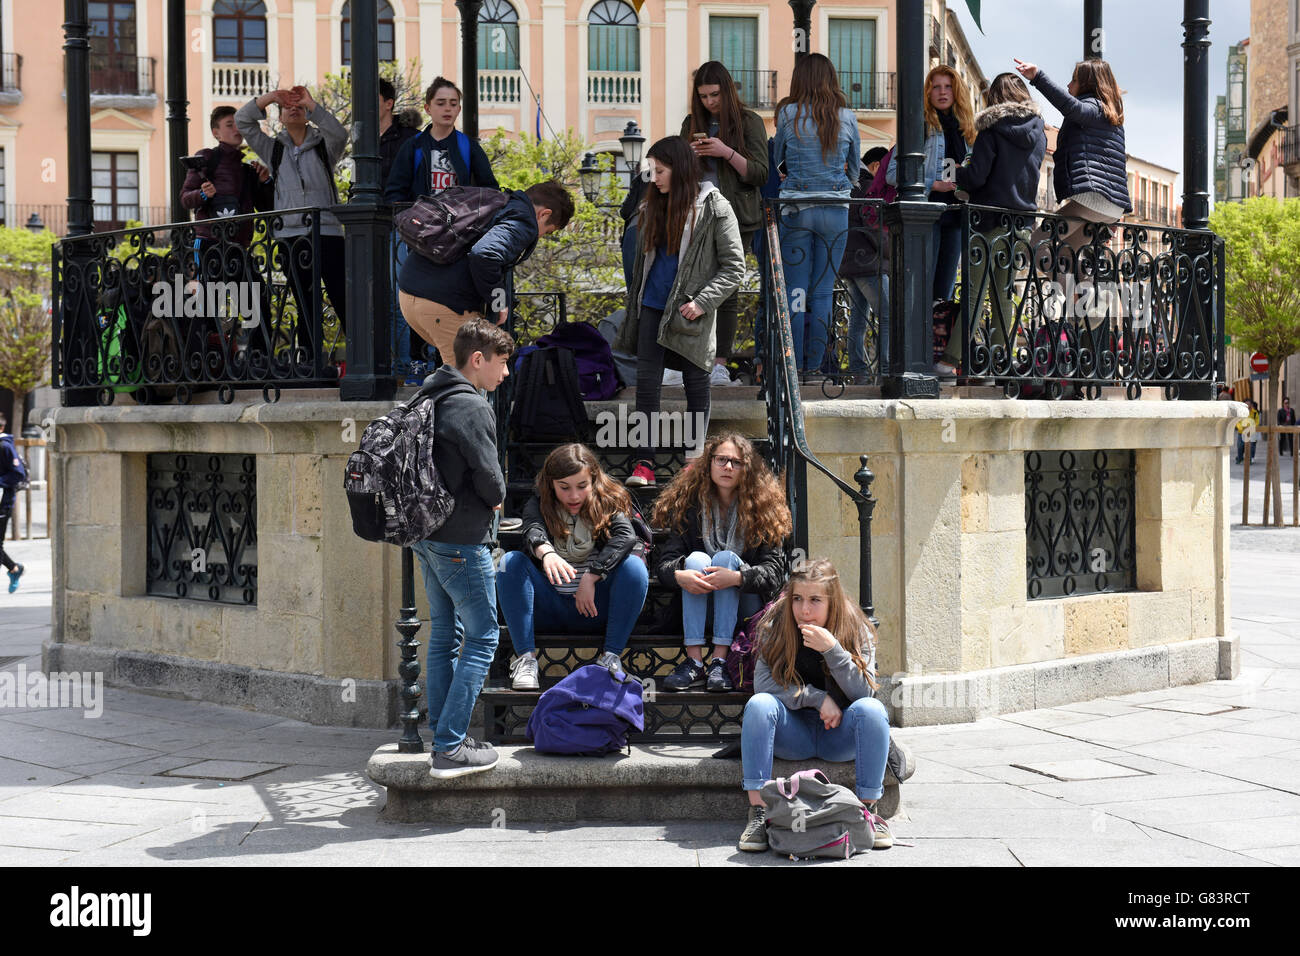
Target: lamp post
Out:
[34,223]
[589,176]
[632,142]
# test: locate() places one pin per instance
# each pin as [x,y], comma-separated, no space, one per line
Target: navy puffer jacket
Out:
[1090,154]
[1002,167]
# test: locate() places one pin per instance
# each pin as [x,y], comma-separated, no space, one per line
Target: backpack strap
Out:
[571,388]
[277,154]
[415,173]
[463,141]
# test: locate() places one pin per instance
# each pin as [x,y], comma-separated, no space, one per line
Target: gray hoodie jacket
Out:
[843,671]
[300,180]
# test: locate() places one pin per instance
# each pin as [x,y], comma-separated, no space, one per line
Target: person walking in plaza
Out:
[582,568]
[727,520]
[12,474]
[1091,162]
[437,300]
[302,157]
[689,260]
[1246,432]
[949,132]
[814,686]
[456,561]
[1001,170]
[817,140]
[731,143]
[1286,416]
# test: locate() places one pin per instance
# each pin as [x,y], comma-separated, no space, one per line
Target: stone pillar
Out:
[555,66]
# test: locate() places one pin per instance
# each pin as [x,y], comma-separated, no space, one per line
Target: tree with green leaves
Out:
[24,314]
[1262,243]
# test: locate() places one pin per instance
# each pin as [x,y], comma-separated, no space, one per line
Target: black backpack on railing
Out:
[548,398]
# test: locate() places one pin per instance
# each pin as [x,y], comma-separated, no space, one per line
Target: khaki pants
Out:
[436,323]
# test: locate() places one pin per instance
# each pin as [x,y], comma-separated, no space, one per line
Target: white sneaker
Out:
[612,661]
[672,377]
[720,376]
[523,673]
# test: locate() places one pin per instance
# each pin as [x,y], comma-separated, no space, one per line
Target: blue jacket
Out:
[409,180]
[1003,165]
[806,169]
[1090,154]
[466,285]
[10,472]
[935,151]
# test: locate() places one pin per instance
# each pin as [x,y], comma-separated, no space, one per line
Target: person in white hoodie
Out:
[689,260]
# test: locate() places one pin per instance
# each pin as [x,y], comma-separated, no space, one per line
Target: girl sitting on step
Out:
[814,680]
[727,518]
[574,574]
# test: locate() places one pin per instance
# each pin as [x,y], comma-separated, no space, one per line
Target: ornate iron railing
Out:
[1080,527]
[11,71]
[158,313]
[1064,304]
[202,527]
[869,91]
[121,74]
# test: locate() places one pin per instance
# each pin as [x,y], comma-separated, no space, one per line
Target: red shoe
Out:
[643,474]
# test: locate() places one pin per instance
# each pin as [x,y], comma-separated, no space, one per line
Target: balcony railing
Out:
[121,74]
[757,88]
[11,72]
[54,216]
[499,87]
[1290,145]
[869,91]
[240,80]
[614,89]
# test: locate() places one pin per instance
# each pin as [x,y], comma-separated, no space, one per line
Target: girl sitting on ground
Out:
[814,678]
[727,518]
[574,573]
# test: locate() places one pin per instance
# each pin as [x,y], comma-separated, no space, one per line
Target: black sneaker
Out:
[754,837]
[719,681]
[470,756]
[689,673]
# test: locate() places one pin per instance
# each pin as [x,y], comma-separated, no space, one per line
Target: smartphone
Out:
[699,136]
[193,162]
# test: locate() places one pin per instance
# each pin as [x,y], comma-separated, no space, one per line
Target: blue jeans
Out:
[529,601]
[770,729]
[945,254]
[728,604]
[864,293]
[463,633]
[812,244]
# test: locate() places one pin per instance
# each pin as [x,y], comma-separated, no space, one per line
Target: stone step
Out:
[646,783]
[681,716]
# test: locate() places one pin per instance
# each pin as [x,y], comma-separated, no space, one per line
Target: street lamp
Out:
[632,142]
[34,223]
[589,175]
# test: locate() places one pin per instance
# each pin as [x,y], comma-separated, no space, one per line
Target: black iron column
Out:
[1196,114]
[802,26]
[469,64]
[76,46]
[911,221]
[177,120]
[409,668]
[864,477]
[367,227]
[1094,39]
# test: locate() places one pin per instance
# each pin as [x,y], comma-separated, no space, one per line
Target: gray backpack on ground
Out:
[394,490]
[808,816]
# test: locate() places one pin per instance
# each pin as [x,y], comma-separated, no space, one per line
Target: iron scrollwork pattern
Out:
[1079,523]
[202,527]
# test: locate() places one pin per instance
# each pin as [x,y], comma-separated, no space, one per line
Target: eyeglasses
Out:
[726,462]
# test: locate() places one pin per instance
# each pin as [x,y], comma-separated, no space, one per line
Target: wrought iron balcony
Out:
[11,72]
[757,88]
[1290,145]
[869,91]
[121,74]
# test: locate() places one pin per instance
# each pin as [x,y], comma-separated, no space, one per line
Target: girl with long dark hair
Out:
[689,261]
[731,143]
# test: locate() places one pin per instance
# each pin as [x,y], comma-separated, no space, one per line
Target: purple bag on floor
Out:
[589,712]
[597,376]
[744,651]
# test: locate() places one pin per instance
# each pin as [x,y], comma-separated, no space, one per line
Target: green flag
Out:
[974,7]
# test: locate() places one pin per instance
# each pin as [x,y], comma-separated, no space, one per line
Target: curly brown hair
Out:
[607,497]
[760,502]
[781,638]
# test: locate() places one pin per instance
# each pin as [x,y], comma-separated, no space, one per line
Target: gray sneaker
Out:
[754,837]
[523,673]
[470,756]
[900,761]
[612,661]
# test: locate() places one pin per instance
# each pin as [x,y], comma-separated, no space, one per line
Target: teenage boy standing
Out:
[456,560]
[441,156]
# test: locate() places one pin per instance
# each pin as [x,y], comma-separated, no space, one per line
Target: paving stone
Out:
[1164,853]
[1278,856]
[973,796]
[1242,805]
[54,834]
[1080,770]
[1205,708]
[223,770]
[1063,822]
[1241,835]
[56,804]
[18,777]
[1049,719]
[1142,787]
[1212,747]
[1144,726]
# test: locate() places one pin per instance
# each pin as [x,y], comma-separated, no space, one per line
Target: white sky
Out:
[1143,46]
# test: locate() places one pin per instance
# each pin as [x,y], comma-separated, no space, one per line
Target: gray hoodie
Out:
[465,451]
[300,181]
[843,671]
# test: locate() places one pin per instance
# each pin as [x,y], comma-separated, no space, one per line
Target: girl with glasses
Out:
[727,520]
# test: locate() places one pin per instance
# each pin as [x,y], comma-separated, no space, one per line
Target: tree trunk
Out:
[1273,463]
[20,409]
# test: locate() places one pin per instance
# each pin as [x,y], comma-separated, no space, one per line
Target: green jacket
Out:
[743,193]
[710,266]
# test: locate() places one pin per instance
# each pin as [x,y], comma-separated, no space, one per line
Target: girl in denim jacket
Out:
[817,140]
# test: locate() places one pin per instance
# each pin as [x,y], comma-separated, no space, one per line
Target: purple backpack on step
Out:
[744,651]
[589,712]
[597,376]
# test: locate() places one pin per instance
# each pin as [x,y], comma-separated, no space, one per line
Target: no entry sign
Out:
[1259,363]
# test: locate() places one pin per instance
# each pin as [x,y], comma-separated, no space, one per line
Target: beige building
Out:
[593,65]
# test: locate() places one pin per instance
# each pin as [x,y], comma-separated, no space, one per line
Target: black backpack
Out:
[444,227]
[548,398]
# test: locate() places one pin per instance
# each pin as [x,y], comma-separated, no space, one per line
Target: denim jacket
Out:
[934,155]
[806,170]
